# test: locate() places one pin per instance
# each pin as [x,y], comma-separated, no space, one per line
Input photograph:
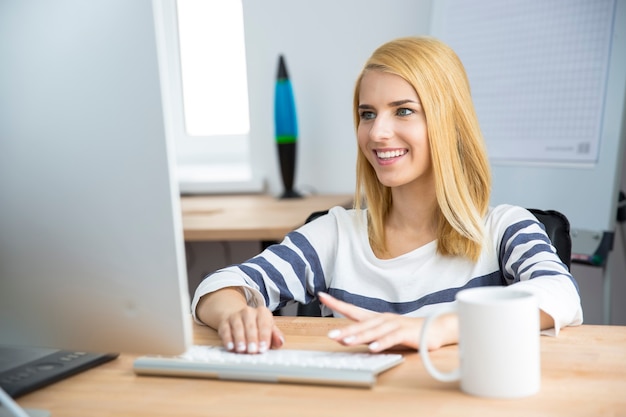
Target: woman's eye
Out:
[404,112]
[367,115]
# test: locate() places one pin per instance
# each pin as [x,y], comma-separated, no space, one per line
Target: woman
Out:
[421,229]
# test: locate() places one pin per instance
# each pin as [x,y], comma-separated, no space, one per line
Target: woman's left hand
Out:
[381,331]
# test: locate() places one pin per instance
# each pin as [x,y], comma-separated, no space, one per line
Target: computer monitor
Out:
[91,243]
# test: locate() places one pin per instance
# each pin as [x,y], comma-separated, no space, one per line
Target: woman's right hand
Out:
[250,330]
[242,329]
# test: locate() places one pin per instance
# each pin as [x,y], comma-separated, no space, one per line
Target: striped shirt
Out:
[333,254]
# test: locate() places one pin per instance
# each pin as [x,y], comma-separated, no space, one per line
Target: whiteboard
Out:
[549,83]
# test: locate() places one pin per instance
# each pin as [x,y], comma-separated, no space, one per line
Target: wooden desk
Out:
[250,217]
[583,374]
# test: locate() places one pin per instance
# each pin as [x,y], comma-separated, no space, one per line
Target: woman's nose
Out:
[382,128]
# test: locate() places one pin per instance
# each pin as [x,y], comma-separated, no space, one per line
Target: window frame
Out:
[217,160]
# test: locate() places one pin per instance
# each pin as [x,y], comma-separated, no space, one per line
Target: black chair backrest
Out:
[557,228]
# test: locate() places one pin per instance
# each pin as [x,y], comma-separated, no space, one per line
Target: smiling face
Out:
[392,131]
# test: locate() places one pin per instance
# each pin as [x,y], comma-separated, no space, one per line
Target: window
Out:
[213,67]
[208,86]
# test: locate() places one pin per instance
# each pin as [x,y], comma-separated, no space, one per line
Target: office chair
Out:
[555,223]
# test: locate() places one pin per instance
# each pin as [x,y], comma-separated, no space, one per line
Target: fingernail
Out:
[230,346]
[241,347]
[333,334]
[349,339]
[373,346]
[262,347]
[252,347]
[322,294]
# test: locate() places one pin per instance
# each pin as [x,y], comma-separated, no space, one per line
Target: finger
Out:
[345,309]
[265,325]
[251,330]
[226,336]
[363,332]
[236,328]
[394,331]
[278,339]
[385,336]
[393,340]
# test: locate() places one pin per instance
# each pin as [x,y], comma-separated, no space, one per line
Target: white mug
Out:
[498,343]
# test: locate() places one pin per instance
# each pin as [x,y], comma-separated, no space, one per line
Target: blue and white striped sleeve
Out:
[529,261]
[281,274]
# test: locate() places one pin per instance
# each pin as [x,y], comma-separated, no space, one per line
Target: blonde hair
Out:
[458,154]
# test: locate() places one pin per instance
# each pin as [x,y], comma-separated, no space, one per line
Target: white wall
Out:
[325,44]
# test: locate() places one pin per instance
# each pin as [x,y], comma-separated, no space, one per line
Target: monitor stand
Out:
[9,408]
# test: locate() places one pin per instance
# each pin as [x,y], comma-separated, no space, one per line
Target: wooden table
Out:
[583,374]
[250,217]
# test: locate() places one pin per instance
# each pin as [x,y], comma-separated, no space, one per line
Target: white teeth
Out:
[391,154]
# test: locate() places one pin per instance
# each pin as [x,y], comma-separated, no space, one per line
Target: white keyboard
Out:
[281,365]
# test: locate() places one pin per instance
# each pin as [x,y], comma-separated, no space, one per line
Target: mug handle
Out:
[451,376]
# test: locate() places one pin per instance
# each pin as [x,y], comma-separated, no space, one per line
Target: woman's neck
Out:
[413,207]
[411,222]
